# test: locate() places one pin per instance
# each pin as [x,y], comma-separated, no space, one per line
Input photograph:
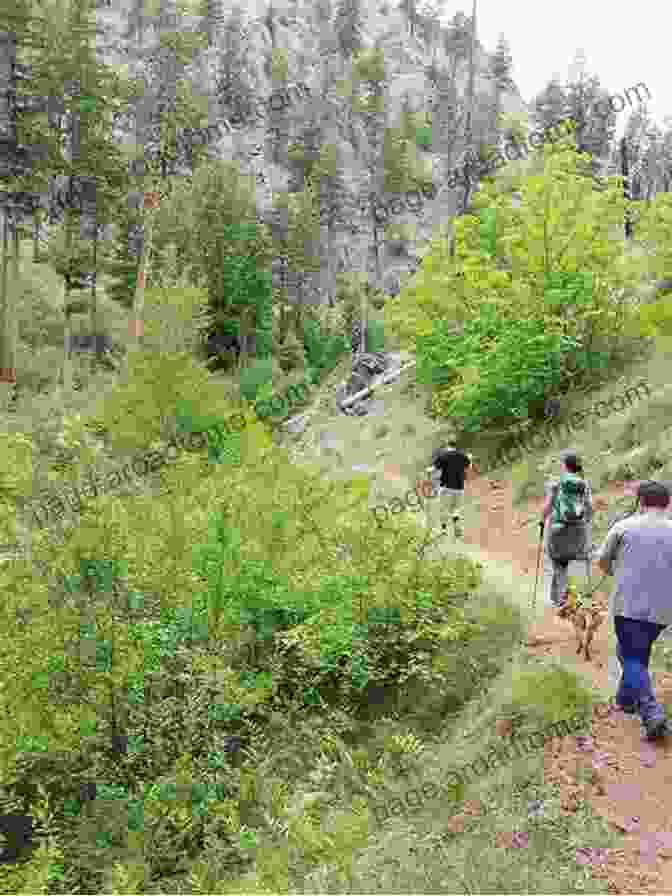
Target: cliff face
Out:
[312,61]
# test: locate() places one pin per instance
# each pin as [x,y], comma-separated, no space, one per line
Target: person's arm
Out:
[606,556]
[434,473]
[589,503]
[548,504]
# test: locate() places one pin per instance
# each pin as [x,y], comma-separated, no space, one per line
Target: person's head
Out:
[572,463]
[653,495]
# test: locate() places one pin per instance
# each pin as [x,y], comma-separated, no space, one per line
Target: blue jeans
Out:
[635,640]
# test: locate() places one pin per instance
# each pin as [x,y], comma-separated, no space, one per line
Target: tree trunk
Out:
[331,276]
[36,235]
[139,302]
[66,379]
[470,106]
[385,379]
[6,346]
[95,323]
[626,186]
[16,276]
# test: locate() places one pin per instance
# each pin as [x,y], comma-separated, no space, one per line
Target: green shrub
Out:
[375,336]
[494,370]
[321,352]
[351,288]
[252,378]
[423,137]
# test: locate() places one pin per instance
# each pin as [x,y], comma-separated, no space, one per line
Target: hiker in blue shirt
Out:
[569,505]
[638,551]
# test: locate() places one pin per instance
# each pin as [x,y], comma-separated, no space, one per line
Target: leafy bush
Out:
[375,336]
[423,137]
[493,370]
[351,288]
[521,264]
[259,373]
[488,228]
[321,352]
[655,320]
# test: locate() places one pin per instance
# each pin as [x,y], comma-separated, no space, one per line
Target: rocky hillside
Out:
[123,41]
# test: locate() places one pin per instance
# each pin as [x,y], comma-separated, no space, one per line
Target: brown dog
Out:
[586,621]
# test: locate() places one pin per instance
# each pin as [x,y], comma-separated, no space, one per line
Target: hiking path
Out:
[632,778]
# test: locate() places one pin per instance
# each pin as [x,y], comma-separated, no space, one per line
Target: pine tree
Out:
[468,130]
[299,244]
[92,95]
[123,265]
[235,77]
[448,110]
[232,249]
[576,100]
[500,73]
[335,204]
[593,133]
[370,77]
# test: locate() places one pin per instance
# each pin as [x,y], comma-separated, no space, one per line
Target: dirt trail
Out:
[632,779]
[630,776]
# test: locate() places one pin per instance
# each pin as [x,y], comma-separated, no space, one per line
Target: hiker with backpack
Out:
[570,508]
[449,466]
[638,551]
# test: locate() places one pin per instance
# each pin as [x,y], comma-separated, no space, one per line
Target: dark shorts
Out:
[569,543]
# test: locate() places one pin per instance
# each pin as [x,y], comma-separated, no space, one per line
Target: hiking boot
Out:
[655,728]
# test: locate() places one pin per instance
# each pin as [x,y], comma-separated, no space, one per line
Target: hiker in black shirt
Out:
[451,464]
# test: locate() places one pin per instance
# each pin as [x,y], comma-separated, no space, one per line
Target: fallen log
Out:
[386,378]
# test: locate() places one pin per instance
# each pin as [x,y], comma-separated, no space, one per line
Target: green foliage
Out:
[489,231]
[375,336]
[564,289]
[321,351]
[232,250]
[144,646]
[121,267]
[300,242]
[423,137]
[259,373]
[155,665]
[654,319]
[351,288]
[264,317]
[493,370]
[653,233]
[290,354]
[243,283]
[224,444]
[248,288]
[529,287]
[400,163]
[546,694]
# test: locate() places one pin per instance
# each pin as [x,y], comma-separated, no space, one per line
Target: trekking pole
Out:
[536,578]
